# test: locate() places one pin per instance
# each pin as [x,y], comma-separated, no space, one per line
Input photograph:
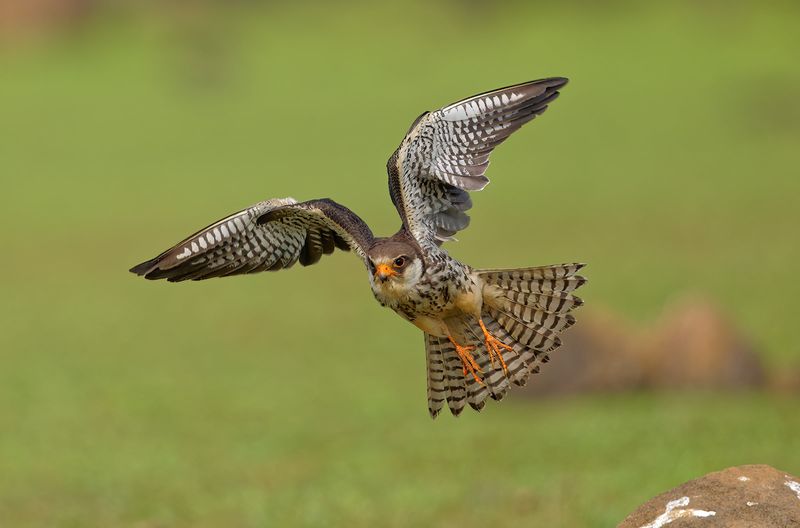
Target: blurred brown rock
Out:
[23,16]
[599,354]
[737,497]
[693,345]
[785,381]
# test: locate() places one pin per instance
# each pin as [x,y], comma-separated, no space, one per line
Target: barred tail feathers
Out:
[446,382]
[533,309]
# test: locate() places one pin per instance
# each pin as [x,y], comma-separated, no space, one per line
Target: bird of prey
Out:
[484,328]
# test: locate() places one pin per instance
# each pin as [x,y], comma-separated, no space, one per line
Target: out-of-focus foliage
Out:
[669,164]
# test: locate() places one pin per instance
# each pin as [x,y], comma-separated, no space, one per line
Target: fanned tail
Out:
[446,380]
[528,310]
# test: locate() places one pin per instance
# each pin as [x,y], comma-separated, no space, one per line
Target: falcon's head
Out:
[394,265]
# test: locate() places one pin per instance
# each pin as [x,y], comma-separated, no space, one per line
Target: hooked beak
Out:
[383,272]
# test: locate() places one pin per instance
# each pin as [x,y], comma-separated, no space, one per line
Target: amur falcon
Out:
[484,328]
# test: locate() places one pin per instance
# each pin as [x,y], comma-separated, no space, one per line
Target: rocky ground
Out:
[737,497]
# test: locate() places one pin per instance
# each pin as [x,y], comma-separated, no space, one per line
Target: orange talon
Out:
[469,363]
[494,347]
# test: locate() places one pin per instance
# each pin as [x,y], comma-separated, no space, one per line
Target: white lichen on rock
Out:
[794,486]
[671,513]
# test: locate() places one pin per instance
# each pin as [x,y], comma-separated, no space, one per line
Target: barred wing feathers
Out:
[446,152]
[268,236]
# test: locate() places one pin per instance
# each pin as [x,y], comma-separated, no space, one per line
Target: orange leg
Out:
[494,346]
[470,365]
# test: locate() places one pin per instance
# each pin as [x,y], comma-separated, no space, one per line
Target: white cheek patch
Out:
[413,274]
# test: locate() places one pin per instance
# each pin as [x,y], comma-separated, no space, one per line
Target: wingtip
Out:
[551,83]
[143,268]
[149,269]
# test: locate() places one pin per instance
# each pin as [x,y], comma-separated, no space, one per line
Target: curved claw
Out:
[494,346]
[470,365]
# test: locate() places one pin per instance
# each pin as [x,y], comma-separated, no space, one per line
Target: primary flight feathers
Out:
[444,155]
[267,236]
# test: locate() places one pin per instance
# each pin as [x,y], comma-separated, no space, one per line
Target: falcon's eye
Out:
[399,262]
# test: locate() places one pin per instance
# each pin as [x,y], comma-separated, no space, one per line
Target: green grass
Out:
[669,164]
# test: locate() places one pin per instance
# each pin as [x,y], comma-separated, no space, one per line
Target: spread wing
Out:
[446,152]
[268,236]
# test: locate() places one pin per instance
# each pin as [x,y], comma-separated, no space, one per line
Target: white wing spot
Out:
[458,113]
[203,243]
[496,101]
[225,231]
[186,252]
[210,238]
[195,249]
[232,226]
[217,234]
[671,513]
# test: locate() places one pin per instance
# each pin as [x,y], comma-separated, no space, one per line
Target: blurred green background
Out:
[669,164]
